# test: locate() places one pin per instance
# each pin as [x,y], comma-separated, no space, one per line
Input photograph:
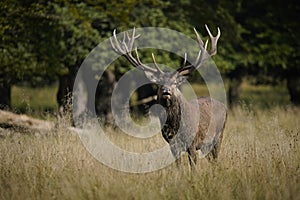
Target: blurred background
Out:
[43,43]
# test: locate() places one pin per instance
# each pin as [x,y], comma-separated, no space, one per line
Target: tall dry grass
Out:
[259,159]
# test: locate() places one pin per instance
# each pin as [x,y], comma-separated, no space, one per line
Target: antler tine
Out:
[124,48]
[155,64]
[112,44]
[124,39]
[144,67]
[184,61]
[183,66]
[203,48]
[131,40]
[125,51]
[116,47]
[198,38]
[202,55]
[214,41]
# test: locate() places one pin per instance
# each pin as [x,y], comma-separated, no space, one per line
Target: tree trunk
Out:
[103,97]
[5,95]
[65,88]
[236,79]
[64,93]
[293,85]
[234,92]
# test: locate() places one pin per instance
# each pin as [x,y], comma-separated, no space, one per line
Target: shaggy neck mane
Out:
[174,112]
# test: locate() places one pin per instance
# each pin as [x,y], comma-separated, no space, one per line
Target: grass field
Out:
[38,101]
[259,159]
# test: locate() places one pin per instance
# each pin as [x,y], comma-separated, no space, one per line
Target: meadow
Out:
[259,159]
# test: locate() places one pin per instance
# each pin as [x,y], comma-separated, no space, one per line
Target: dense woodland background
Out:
[43,43]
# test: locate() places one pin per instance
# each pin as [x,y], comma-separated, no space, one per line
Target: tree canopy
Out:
[43,40]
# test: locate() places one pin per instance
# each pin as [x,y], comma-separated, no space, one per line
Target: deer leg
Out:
[213,155]
[178,162]
[176,155]
[218,145]
[192,157]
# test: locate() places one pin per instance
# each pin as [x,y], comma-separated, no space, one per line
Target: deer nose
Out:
[166,93]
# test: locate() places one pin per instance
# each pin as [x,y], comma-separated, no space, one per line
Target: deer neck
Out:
[174,112]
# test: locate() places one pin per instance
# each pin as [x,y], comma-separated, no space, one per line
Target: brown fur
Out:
[191,137]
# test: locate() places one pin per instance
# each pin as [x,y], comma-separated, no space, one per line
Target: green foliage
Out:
[15,53]
[41,39]
[52,38]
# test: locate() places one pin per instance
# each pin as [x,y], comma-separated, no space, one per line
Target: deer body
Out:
[197,117]
[188,126]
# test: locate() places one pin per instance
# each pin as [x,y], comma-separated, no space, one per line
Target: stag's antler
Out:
[202,55]
[125,49]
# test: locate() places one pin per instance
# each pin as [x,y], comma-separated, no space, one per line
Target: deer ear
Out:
[186,71]
[183,75]
[154,78]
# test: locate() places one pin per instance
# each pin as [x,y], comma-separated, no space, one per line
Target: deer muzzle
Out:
[166,94]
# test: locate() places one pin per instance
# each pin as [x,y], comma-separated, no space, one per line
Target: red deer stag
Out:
[187,123]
